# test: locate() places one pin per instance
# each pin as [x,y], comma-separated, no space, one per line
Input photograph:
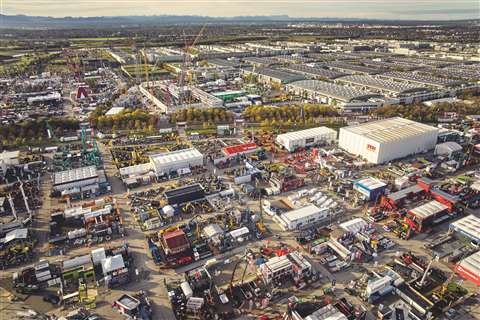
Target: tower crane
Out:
[427,269]
[25,199]
[12,206]
[187,60]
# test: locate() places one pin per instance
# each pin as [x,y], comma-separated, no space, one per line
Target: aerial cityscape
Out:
[221,160]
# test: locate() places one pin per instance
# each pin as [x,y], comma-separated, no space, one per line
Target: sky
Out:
[376,9]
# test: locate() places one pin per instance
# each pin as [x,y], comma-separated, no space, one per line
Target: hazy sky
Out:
[389,9]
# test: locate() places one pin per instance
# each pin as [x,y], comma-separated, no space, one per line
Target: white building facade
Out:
[385,140]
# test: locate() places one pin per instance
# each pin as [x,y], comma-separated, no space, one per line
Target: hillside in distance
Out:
[24,21]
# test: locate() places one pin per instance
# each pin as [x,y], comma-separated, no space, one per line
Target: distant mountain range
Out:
[24,21]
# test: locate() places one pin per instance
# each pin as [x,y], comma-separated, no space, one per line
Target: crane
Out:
[12,206]
[247,252]
[25,198]
[422,281]
[145,66]
[187,61]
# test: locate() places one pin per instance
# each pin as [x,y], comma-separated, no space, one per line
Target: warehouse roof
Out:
[469,226]
[389,130]
[333,90]
[183,190]
[175,239]
[370,183]
[281,75]
[240,148]
[470,266]
[73,175]
[315,71]
[239,232]
[16,234]
[278,263]
[381,84]
[448,147]
[175,156]
[212,230]
[112,263]
[301,213]
[354,225]
[137,169]
[422,79]
[329,312]
[224,62]
[352,67]
[307,133]
[260,60]
[395,196]
[429,209]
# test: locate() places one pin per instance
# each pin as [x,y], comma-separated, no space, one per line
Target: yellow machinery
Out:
[261,227]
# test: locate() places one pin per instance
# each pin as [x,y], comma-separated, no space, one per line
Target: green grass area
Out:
[133,70]
[201,131]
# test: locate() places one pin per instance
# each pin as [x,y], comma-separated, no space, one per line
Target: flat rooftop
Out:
[332,90]
[184,190]
[398,87]
[308,133]
[428,209]
[469,226]
[74,175]
[300,213]
[389,130]
[175,156]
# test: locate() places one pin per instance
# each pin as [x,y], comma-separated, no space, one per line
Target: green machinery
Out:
[90,157]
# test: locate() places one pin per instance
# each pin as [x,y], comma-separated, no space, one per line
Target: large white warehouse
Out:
[306,138]
[167,162]
[385,140]
[302,217]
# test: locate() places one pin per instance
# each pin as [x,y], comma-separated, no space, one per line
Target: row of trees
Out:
[198,116]
[35,131]
[130,119]
[423,113]
[289,113]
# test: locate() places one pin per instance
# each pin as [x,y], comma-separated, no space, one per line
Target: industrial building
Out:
[315,72]
[370,188]
[306,138]
[390,87]
[352,68]
[168,162]
[273,76]
[423,80]
[328,312]
[175,242]
[346,98]
[276,268]
[469,268]
[448,149]
[80,181]
[240,149]
[298,218]
[184,194]
[427,215]
[7,160]
[386,140]
[468,226]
